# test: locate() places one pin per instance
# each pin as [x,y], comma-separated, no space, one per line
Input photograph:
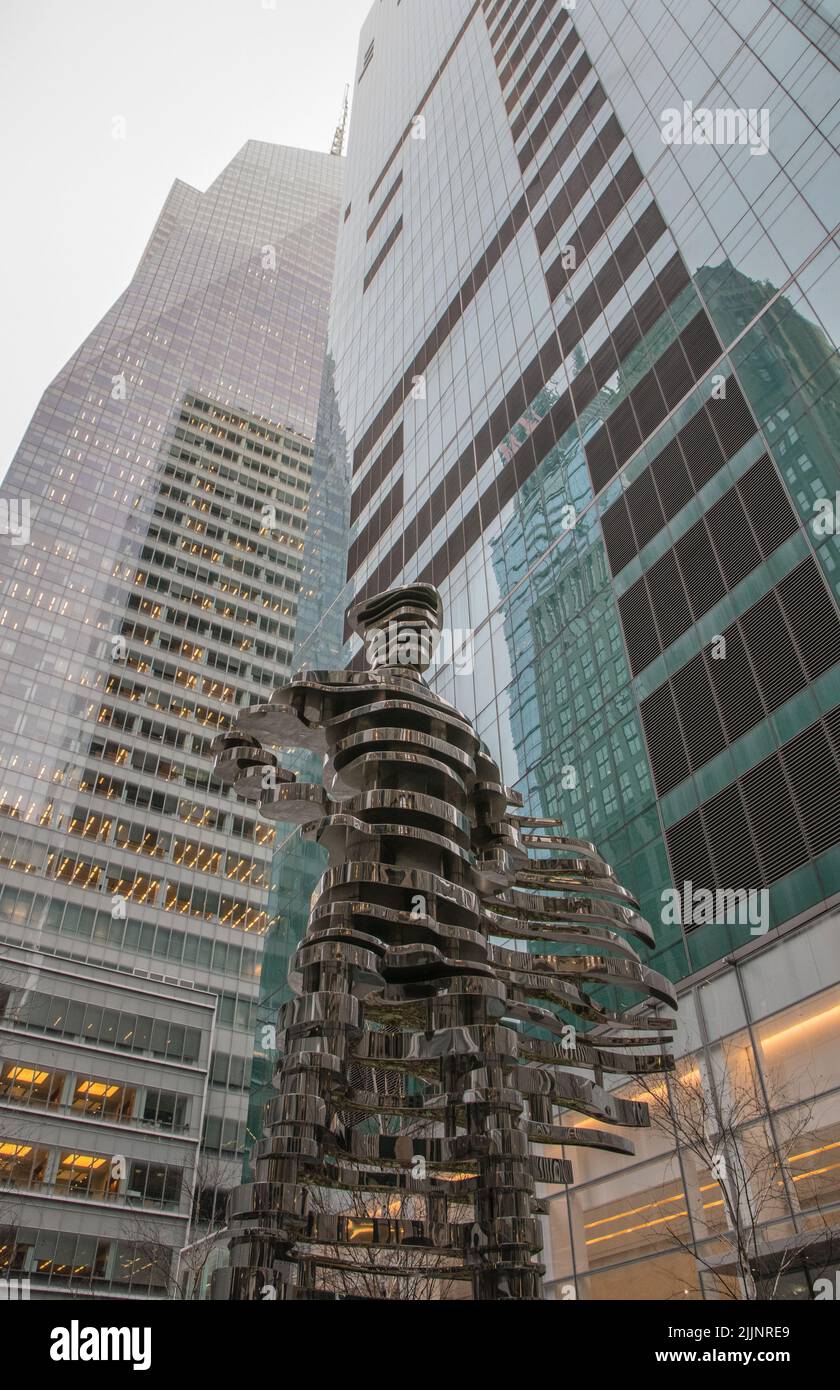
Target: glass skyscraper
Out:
[585,338]
[153,578]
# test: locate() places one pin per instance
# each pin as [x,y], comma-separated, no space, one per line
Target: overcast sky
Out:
[193,80]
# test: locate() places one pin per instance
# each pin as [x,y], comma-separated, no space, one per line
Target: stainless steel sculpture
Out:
[419,1056]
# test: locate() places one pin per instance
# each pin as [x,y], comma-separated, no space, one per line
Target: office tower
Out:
[584,334]
[151,579]
[97,1170]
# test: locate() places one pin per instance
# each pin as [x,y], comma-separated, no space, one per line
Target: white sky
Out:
[194,79]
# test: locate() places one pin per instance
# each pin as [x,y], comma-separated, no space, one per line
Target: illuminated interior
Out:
[631,1225]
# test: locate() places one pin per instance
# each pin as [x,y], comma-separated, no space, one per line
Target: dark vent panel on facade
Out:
[810,767]
[668,757]
[639,628]
[710,437]
[687,581]
[713,699]
[728,833]
[787,808]
[766,500]
[768,799]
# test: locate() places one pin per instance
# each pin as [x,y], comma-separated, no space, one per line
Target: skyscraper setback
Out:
[589,381]
[166,478]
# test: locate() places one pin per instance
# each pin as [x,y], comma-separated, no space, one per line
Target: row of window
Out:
[239,563]
[250,524]
[148,938]
[223,1136]
[152,584]
[274,580]
[205,627]
[646,405]
[250,429]
[140,838]
[208,686]
[190,651]
[230,1071]
[55,1015]
[21,618]
[97,875]
[210,595]
[214,487]
[207,817]
[70,1173]
[684,362]
[167,702]
[152,764]
[26,1083]
[128,721]
[60,1256]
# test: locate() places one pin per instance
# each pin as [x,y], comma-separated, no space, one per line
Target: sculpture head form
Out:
[400,628]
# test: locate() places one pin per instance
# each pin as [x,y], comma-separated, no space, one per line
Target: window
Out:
[28,1084]
[111,1099]
[134,1267]
[22,1164]
[165,1110]
[85,1175]
[155,1184]
[70,1256]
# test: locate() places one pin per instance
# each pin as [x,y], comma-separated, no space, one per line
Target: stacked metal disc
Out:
[446,992]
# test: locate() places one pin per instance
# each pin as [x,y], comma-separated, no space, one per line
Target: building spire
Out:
[341,128]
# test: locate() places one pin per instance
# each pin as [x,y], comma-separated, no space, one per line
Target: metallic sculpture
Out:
[420,1056]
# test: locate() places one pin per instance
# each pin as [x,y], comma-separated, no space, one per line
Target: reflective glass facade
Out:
[160,583]
[590,385]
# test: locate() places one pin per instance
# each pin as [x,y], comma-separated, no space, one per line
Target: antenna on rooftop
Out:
[341,128]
